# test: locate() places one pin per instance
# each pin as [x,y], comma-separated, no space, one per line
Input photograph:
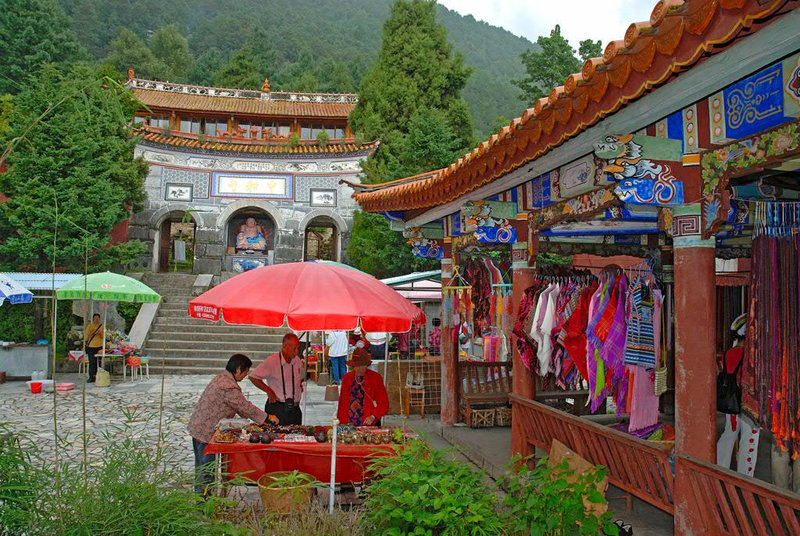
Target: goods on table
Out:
[295,433]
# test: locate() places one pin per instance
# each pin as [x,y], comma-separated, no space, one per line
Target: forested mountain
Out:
[323,45]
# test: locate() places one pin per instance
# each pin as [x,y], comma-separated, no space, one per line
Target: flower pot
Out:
[276,498]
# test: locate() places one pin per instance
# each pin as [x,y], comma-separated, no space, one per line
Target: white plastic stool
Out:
[135,369]
[83,366]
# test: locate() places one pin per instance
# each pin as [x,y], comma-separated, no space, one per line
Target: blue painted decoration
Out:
[755,103]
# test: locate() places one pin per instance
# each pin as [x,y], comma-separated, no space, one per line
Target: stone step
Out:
[229,345]
[201,327]
[199,355]
[213,335]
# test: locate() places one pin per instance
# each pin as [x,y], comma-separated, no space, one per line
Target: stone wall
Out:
[193,172]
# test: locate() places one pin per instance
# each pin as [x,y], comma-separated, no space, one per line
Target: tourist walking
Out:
[337,342]
[221,399]
[281,376]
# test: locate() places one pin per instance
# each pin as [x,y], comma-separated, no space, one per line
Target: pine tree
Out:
[242,72]
[552,64]
[171,49]
[411,101]
[33,33]
[71,146]
[128,51]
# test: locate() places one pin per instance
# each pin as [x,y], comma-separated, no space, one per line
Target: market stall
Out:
[251,451]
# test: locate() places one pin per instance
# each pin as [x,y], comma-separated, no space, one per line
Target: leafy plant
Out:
[554,501]
[130,490]
[420,491]
[322,138]
[291,479]
[316,520]
[294,140]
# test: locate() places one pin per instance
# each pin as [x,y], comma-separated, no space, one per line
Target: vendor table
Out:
[252,460]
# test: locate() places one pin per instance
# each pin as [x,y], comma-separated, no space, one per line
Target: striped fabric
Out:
[640,344]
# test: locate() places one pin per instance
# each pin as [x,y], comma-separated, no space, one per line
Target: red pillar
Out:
[522,383]
[449,412]
[695,365]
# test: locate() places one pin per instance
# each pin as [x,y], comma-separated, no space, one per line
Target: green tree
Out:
[416,68]
[171,49]
[590,49]
[415,85]
[71,147]
[128,51]
[206,67]
[33,33]
[377,250]
[241,72]
[6,102]
[551,64]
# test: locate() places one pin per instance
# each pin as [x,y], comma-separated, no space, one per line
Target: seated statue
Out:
[251,236]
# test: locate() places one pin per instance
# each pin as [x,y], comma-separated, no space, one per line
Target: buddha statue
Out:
[251,236]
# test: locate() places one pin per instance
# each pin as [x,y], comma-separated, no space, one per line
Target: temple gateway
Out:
[241,179]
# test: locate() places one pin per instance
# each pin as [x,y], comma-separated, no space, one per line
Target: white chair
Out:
[135,365]
[145,362]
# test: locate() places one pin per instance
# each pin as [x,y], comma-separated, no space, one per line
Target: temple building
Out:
[240,178]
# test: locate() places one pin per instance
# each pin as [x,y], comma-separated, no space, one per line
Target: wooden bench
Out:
[546,390]
[483,384]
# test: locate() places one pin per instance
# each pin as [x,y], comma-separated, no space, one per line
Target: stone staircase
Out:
[192,346]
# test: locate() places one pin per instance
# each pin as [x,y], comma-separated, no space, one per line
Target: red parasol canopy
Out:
[307,296]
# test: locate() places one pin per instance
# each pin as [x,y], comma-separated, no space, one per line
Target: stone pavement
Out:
[125,407]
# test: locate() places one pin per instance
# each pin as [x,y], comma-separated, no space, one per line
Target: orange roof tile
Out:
[254,148]
[679,34]
[165,96]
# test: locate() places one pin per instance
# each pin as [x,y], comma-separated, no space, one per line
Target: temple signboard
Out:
[265,186]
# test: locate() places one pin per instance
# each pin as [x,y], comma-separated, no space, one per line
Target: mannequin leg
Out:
[726,441]
[748,446]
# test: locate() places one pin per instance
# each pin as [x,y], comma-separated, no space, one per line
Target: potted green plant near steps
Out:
[285,491]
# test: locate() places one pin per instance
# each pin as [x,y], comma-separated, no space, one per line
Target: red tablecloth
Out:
[254,460]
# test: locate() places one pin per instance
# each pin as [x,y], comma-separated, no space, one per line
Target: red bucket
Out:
[36,387]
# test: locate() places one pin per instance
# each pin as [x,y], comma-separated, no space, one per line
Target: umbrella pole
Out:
[386,361]
[305,373]
[105,317]
[333,465]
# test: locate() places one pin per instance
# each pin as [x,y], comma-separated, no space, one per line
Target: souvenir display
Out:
[295,433]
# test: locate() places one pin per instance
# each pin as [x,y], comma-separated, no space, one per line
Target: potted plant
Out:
[285,491]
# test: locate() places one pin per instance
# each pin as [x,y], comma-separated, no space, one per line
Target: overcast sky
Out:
[606,20]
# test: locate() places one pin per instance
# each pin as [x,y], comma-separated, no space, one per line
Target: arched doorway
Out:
[321,240]
[250,239]
[176,242]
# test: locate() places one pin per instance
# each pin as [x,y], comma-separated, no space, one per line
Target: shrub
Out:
[420,491]
[323,138]
[294,140]
[554,501]
[128,491]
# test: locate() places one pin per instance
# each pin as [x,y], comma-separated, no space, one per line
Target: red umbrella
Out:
[307,296]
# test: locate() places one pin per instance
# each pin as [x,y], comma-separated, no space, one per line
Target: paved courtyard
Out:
[124,408]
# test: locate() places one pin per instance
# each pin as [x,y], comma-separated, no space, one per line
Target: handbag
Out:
[729,394]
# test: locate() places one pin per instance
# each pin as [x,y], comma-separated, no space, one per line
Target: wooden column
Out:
[695,366]
[522,383]
[450,385]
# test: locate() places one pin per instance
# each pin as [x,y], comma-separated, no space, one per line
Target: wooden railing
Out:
[634,465]
[728,503]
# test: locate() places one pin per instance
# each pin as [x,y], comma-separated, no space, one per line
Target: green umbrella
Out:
[107,286]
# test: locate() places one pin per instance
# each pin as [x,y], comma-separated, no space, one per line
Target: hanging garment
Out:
[595,367]
[522,327]
[643,401]
[614,346]
[574,331]
[640,347]
[544,329]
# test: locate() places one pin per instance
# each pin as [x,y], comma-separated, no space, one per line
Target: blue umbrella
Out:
[13,292]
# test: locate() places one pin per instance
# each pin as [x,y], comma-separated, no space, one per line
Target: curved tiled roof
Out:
[678,35]
[154,138]
[185,97]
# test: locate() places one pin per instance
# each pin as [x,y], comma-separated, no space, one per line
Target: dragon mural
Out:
[639,180]
[422,247]
[488,229]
